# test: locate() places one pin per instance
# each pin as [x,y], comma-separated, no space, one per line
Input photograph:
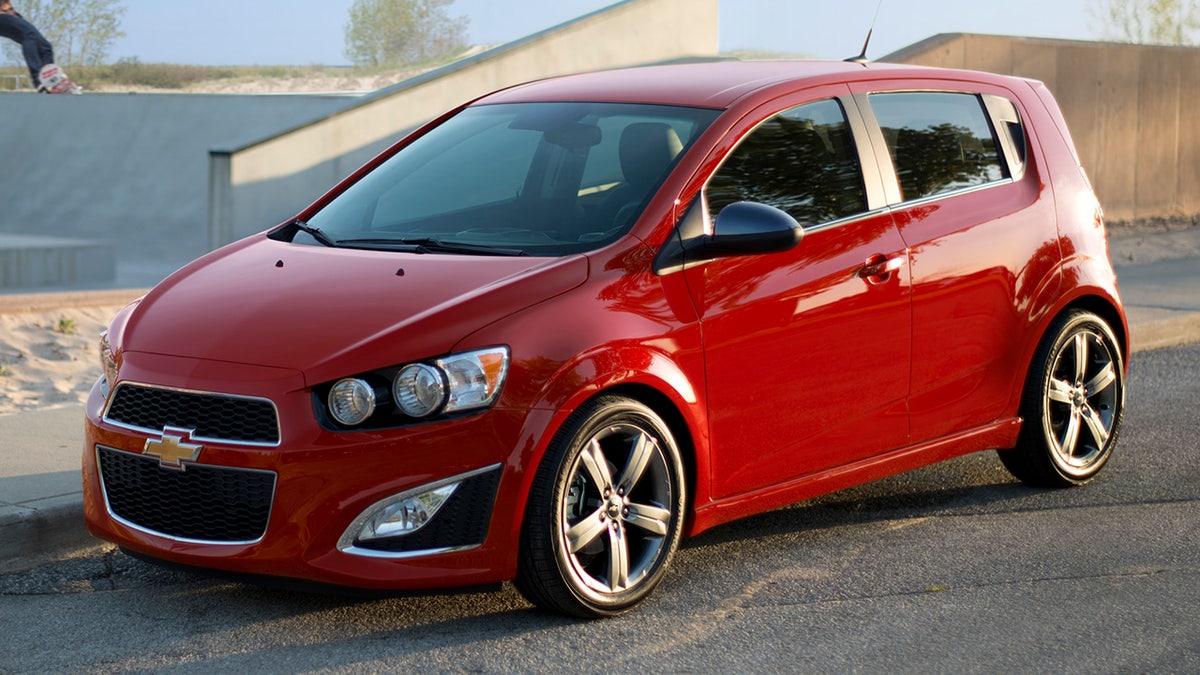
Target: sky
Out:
[309,32]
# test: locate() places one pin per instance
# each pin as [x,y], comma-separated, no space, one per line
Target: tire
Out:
[1072,406]
[605,512]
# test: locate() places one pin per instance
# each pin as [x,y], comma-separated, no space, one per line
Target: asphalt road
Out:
[953,568]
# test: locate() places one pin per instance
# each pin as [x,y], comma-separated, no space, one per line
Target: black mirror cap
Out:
[752,227]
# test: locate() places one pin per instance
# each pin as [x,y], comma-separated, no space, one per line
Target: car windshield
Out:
[513,179]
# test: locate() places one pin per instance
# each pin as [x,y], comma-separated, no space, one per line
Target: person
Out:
[35,47]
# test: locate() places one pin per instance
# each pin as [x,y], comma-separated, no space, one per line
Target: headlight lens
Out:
[406,515]
[475,377]
[351,401]
[419,389]
[108,362]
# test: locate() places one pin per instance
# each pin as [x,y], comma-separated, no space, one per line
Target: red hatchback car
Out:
[550,333]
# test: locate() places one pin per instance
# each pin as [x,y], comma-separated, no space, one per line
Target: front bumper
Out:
[209,511]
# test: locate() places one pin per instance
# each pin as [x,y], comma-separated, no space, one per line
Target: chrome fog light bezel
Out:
[352,534]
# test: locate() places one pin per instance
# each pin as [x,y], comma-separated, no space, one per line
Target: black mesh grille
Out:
[462,520]
[210,416]
[201,502]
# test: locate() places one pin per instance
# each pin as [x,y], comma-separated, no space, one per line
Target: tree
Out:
[1163,22]
[394,32]
[81,31]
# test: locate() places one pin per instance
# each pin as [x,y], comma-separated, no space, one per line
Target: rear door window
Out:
[939,141]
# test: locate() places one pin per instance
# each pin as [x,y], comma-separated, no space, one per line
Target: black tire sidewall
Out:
[543,520]
[1035,435]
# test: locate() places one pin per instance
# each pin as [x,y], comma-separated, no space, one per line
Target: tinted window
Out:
[802,161]
[543,178]
[939,142]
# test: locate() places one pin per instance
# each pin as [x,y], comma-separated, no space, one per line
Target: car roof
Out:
[715,84]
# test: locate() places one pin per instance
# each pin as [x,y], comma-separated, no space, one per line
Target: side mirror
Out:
[744,228]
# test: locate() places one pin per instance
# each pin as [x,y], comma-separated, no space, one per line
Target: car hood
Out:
[333,312]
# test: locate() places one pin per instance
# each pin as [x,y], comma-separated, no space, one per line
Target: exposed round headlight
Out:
[351,401]
[419,389]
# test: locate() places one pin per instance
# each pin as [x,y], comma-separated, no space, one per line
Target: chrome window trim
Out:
[346,545]
[171,537]
[953,193]
[847,220]
[200,439]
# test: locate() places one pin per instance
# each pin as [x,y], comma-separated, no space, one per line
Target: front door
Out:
[807,351]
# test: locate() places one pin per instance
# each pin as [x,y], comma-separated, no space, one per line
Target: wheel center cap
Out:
[1078,397]
[614,508]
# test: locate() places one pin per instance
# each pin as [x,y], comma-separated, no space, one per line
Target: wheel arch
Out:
[1106,310]
[1098,303]
[665,408]
[660,384]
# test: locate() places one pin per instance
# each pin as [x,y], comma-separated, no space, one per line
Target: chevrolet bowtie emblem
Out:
[173,448]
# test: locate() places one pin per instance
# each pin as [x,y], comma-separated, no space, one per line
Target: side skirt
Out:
[1000,434]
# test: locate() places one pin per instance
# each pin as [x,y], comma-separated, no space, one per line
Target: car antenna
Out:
[862,56]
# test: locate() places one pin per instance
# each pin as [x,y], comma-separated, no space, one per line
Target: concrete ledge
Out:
[32,261]
[32,536]
[1155,329]
[19,303]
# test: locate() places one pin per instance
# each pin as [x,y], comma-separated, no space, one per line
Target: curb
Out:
[36,536]
[1180,329]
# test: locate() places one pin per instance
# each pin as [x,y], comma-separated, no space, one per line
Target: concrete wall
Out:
[257,185]
[128,169]
[1134,110]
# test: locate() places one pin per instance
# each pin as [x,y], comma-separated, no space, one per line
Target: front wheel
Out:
[1073,403]
[605,512]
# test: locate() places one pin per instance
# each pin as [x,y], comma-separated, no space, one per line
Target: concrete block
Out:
[1189,134]
[1158,133]
[989,53]
[32,261]
[1039,61]
[1078,94]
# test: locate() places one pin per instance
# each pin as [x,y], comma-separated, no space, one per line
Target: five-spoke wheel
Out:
[1073,403]
[605,513]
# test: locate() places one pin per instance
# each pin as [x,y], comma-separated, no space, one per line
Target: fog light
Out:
[405,515]
[351,401]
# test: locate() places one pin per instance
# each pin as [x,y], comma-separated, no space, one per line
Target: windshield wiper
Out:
[428,245]
[316,233]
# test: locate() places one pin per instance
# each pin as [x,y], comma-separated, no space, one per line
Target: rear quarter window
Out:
[939,141]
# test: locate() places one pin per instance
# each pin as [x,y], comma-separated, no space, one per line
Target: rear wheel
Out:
[605,513]
[1072,406]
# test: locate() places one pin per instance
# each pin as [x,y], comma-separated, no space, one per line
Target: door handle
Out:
[878,268]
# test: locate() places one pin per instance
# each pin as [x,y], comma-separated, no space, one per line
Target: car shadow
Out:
[963,486]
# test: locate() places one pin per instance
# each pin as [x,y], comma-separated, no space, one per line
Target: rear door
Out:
[807,350]
[979,223]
